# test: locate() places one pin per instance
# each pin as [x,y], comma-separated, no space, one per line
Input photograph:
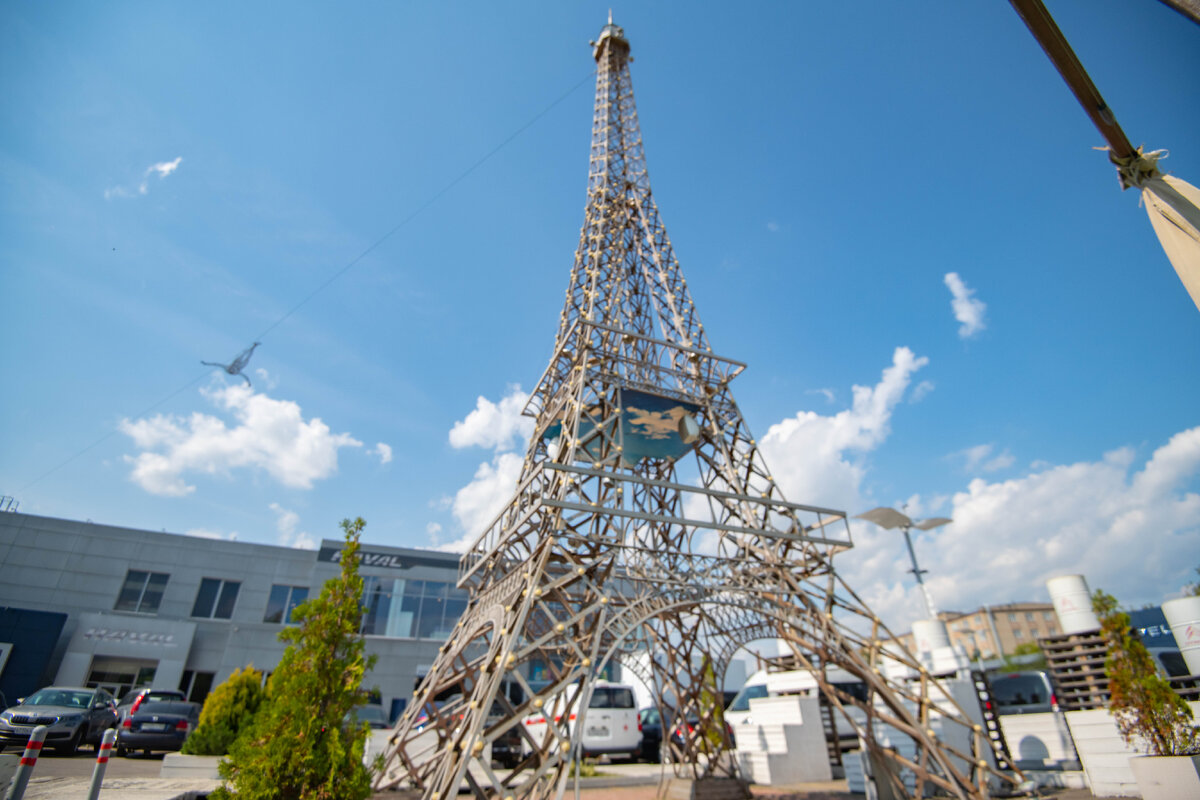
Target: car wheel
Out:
[122,752]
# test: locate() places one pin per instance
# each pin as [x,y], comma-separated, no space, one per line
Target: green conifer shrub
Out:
[299,745]
[227,710]
[1145,706]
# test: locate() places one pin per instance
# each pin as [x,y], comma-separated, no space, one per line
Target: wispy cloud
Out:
[980,459]
[920,391]
[826,393]
[383,451]
[967,309]
[287,523]
[269,435]
[159,170]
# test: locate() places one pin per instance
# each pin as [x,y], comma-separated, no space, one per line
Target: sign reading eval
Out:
[376,558]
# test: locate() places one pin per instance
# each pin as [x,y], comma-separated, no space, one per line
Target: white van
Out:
[799,681]
[610,727]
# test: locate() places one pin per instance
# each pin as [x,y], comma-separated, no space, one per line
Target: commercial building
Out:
[99,605]
[993,631]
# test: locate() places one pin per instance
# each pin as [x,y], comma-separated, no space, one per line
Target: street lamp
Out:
[889,518]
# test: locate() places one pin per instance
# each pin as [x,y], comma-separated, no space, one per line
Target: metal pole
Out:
[28,761]
[102,755]
[918,572]
[1044,29]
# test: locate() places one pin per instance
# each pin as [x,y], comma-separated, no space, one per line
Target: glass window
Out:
[196,685]
[1020,634]
[216,598]
[283,602]
[1029,616]
[142,591]
[1012,617]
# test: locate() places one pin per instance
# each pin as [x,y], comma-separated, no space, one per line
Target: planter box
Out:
[1167,777]
[177,765]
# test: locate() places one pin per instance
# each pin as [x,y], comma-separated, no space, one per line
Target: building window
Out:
[1048,616]
[196,685]
[411,609]
[1020,634]
[216,598]
[283,602]
[1012,617]
[1029,616]
[142,591]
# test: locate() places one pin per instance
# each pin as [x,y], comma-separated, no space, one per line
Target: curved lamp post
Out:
[889,518]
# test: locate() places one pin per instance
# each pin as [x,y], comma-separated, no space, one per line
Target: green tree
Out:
[227,710]
[300,746]
[1143,703]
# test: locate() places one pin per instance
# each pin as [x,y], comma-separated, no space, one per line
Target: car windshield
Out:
[1020,690]
[60,697]
[611,697]
[748,693]
[370,714]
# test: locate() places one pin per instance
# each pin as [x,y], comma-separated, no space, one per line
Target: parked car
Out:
[130,702]
[371,714]
[74,715]
[652,731]
[612,726]
[157,725]
[1022,692]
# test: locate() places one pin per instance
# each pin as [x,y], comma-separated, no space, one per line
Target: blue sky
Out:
[177,178]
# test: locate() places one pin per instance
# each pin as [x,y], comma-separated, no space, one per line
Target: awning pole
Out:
[1044,29]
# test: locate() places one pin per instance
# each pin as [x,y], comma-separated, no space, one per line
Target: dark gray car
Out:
[74,715]
[1022,692]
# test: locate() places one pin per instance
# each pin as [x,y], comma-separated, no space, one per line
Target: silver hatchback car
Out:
[74,715]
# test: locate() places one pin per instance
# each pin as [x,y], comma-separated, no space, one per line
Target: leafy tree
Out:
[1143,703]
[1013,664]
[300,746]
[227,710]
[1194,588]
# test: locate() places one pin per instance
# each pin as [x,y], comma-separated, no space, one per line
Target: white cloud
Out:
[820,460]
[477,503]
[434,530]
[967,309]
[265,378]
[204,533]
[920,391]
[773,226]
[496,426]
[1124,530]
[384,451]
[270,435]
[980,459]
[160,170]
[164,168]
[501,427]
[286,523]
[826,393]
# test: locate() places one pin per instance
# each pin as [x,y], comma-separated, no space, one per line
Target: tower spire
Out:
[646,531]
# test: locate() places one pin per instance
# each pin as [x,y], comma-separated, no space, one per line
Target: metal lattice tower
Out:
[646,522]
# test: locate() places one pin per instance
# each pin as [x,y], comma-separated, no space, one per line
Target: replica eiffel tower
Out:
[647,530]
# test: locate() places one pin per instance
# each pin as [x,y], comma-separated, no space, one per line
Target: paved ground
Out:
[63,778]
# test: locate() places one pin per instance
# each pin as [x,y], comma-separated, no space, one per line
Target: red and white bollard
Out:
[102,754]
[28,761]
